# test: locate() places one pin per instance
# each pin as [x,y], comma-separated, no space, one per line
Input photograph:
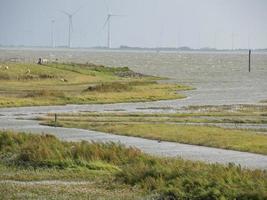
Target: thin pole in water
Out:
[249,60]
[55,117]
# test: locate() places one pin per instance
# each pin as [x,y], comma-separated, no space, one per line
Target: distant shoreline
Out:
[128,49]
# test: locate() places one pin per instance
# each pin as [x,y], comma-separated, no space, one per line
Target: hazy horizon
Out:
[221,24]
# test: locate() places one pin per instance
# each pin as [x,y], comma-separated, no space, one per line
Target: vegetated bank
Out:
[163,127]
[112,167]
[59,84]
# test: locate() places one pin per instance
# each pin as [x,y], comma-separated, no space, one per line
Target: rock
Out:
[91,87]
[64,80]
[129,74]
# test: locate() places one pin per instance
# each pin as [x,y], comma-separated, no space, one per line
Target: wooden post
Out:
[249,60]
[55,118]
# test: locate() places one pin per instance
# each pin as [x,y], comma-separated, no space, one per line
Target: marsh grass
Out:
[59,84]
[109,87]
[133,174]
[118,86]
[44,93]
[241,108]
[209,136]
[47,151]
[234,118]
[163,127]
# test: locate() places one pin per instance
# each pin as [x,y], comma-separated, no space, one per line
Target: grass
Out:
[186,117]
[90,191]
[240,108]
[198,135]
[59,84]
[163,127]
[133,175]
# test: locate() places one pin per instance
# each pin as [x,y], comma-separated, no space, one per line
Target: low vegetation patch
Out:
[164,127]
[44,93]
[125,169]
[188,134]
[59,84]
[241,108]
[109,87]
[47,151]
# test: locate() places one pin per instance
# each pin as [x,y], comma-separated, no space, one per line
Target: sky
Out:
[222,24]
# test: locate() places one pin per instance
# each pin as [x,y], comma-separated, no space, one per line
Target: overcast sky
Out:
[147,23]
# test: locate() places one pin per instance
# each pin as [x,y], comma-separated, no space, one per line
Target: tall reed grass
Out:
[168,178]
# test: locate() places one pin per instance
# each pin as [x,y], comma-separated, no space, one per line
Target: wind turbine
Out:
[178,40]
[215,40]
[249,41]
[52,34]
[234,36]
[108,24]
[70,16]
[199,40]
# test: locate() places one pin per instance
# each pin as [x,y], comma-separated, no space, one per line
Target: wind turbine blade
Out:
[107,6]
[75,12]
[115,15]
[64,12]
[108,17]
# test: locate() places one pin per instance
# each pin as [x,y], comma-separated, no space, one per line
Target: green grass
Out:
[132,175]
[188,117]
[198,135]
[161,127]
[46,151]
[59,84]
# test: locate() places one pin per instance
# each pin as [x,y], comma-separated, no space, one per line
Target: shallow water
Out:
[219,77]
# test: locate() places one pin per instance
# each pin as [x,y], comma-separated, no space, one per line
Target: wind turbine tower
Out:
[108,34]
[234,36]
[108,24]
[248,41]
[53,34]
[70,16]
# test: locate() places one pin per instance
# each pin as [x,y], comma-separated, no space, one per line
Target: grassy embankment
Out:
[111,171]
[58,84]
[163,127]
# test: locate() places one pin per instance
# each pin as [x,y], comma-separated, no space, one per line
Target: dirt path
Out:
[45,182]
